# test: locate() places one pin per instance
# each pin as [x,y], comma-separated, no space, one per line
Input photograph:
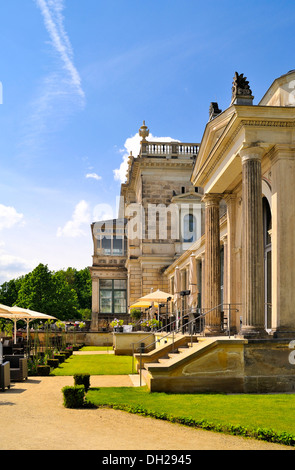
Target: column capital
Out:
[212,199]
[229,197]
[251,152]
[224,240]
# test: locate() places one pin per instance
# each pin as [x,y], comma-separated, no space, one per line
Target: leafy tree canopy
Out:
[65,294]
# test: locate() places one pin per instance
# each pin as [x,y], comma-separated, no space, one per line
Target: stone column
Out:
[231,286]
[252,243]
[225,272]
[95,303]
[283,240]
[212,262]
[203,285]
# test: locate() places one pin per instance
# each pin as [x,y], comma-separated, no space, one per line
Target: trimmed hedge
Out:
[43,370]
[73,396]
[60,357]
[53,362]
[82,379]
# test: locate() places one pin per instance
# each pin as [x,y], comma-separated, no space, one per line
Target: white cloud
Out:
[132,144]
[93,176]
[103,212]
[76,226]
[12,267]
[9,217]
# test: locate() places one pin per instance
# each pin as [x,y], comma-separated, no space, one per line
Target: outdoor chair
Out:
[18,368]
[4,376]
[18,348]
[7,346]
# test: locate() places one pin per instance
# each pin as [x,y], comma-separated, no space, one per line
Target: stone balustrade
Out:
[169,149]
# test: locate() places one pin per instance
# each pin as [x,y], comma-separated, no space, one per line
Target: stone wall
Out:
[125,343]
[228,366]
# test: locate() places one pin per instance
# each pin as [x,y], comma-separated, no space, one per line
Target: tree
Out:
[65,298]
[9,291]
[37,290]
[83,287]
[80,281]
[65,294]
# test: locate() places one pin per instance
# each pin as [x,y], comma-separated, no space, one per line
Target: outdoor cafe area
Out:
[17,349]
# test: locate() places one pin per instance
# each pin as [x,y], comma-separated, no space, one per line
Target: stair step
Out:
[163,360]
[146,366]
[183,349]
[172,355]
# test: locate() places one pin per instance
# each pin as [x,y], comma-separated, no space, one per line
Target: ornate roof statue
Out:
[214,110]
[144,132]
[241,92]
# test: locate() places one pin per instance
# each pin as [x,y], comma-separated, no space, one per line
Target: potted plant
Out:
[82,325]
[135,313]
[154,324]
[117,325]
[146,325]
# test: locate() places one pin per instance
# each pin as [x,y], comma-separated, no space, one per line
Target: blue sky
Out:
[80,76]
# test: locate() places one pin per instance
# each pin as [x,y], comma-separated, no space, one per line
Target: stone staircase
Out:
[209,364]
[165,351]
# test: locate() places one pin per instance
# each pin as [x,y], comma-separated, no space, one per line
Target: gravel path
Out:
[33,418]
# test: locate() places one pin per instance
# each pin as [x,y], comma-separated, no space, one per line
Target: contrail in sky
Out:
[54,22]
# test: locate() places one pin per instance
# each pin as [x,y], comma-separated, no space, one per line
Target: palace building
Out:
[225,205]
[161,217]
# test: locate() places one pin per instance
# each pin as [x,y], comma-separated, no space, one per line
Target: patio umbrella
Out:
[177,289]
[30,315]
[157,297]
[10,314]
[142,304]
[193,283]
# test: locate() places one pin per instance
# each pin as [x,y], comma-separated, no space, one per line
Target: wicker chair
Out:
[4,376]
[7,346]
[18,368]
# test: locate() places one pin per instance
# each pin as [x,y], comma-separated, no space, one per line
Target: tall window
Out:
[110,237]
[267,225]
[113,296]
[189,228]
[112,246]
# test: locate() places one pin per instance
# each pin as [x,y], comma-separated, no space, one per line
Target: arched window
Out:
[189,228]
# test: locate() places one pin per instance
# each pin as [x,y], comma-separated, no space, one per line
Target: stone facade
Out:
[241,180]
[157,202]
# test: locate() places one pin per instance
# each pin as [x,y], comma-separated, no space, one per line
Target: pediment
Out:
[281,92]
[191,196]
[214,132]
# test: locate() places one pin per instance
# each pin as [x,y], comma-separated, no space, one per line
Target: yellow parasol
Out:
[157,297]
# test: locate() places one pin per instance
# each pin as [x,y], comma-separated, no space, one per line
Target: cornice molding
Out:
[287,124]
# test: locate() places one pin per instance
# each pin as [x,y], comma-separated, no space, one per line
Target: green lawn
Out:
[227,413]
[95,364]
[97,348]
[268,417]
